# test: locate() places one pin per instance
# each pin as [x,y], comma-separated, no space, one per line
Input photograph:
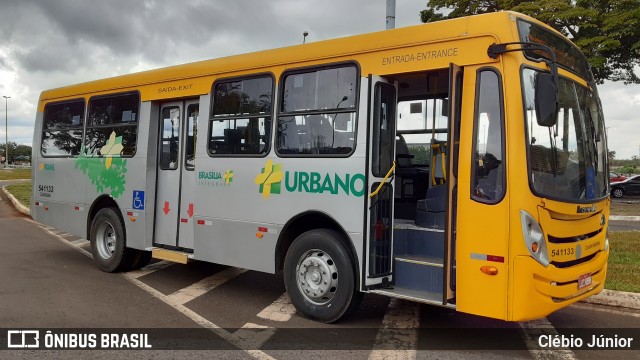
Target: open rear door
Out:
[455,98]
[379,215]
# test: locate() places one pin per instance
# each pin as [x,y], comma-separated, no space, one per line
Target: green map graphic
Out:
[108,171]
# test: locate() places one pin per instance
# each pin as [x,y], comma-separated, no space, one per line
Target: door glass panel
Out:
[192,133]
[383,128]
[170,147]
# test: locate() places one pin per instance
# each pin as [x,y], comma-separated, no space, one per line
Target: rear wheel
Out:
[319,275]
[617,192]
[108,243]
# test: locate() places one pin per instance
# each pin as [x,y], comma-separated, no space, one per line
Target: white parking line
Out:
[205,285]
[201,321]
[606,310]
[531,332]
[150,269]
[280,310]
[398,331]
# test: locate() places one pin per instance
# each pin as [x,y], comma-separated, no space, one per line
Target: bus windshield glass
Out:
[567,161]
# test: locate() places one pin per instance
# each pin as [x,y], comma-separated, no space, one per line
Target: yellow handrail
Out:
[383,180]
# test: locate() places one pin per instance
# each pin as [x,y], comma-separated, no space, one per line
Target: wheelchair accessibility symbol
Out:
[138,200]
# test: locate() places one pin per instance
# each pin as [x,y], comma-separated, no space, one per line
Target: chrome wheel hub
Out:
[317,276]
[106,240]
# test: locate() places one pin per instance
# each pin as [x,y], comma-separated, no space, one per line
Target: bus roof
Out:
[310,53]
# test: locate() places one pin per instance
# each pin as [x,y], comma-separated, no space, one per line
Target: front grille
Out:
[572,239]
[566,264]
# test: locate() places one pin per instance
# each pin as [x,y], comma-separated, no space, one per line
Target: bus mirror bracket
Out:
[547,100]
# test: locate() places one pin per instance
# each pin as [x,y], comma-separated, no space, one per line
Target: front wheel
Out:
[617,192]
[319,275]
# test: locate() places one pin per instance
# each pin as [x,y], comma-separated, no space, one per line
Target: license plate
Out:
[584,281]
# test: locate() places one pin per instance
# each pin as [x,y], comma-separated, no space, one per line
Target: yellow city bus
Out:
[460,163]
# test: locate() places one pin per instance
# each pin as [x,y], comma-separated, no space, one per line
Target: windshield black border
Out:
[588,75]
[526,136]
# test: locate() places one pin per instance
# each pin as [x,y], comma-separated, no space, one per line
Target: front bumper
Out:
[539,291]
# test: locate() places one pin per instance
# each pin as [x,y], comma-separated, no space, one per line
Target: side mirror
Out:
[546,99]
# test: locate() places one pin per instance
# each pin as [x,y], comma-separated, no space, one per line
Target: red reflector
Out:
[46,208]
[263,229]
[200,222]
[77,208]
[494,258]
[129,213]
[184,220]
[37,203]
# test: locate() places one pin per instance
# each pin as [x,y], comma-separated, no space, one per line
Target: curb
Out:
[23,209]
[615,298]
[623,218]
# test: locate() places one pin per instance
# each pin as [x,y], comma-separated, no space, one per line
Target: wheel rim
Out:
[317,276]
[106,239]
[617,193]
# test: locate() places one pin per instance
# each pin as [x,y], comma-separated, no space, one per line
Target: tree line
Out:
[607,31]
[17,153]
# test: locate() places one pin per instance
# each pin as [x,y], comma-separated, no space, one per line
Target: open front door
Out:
[379,216]
[455,98]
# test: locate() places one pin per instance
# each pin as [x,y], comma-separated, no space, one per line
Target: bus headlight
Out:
[534,238]
[606,242]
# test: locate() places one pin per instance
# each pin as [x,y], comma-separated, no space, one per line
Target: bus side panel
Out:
[141,176]
[131,179]
[238,223]
[35,158]
[57,189]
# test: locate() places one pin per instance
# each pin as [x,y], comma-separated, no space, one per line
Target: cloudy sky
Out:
[51,43]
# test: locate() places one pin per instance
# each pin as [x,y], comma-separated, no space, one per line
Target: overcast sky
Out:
[51,43]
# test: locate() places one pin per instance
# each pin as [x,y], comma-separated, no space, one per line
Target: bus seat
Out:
[404,159]
[321,132]
[431,210]
[232,140]
[289,138]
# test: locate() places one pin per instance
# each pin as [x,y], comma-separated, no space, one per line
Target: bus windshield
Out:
[567,161]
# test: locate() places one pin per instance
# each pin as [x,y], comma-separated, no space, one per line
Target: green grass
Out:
[22,192]
[13,174]
[624,261]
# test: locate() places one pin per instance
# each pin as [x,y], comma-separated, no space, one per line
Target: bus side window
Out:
[241,120]
[62,129]
[488,171]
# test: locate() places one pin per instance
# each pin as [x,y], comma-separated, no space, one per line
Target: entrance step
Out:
[170,255]
[413,240]
[421,273]
[413,295]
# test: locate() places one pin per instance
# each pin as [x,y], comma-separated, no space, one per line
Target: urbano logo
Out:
[270,181]
[23,339]
[47,167]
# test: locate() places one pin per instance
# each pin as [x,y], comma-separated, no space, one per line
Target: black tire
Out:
[617,192]
[142,260]
[327,290]
[108,242]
